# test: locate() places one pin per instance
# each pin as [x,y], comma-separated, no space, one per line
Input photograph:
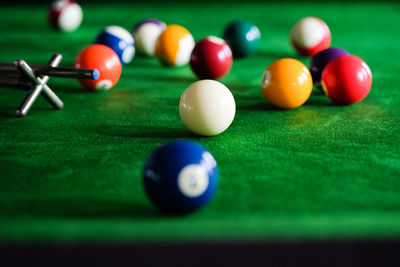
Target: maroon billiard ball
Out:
[65,15]
[310,35]
[346,80]
[211,58]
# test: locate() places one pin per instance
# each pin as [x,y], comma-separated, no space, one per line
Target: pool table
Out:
[321,174]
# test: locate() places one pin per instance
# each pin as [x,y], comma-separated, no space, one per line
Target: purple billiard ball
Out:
[146,33]
[320,60]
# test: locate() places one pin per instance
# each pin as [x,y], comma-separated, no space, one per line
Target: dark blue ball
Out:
[119,40]
[180,177]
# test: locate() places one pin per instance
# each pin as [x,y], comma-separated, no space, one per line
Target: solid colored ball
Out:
[320,60]
[105,60]
[180,177]
[286,83]
[65,15]
[310,35]
[346,80]
[174,46]
[211,58]
[146,33]
[207,107]
[119,40]
[243,37]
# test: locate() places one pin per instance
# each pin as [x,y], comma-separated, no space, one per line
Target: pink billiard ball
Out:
[310,35]
[346,80]
[105,60]
[211,58]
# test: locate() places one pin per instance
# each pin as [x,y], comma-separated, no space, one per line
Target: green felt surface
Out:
[319,171]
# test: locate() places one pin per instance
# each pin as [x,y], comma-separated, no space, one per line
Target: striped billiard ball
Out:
[119,40]
[65,15]
[180,177]
[211,58]
[309,36]
[174,46]
[146,33]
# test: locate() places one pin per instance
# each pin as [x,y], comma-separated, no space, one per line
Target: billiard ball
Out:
[119,40]
[211,58]
[243,37]
[65,15]
[105,60]
[146,33]
[310,35]
[286,83]
[207,107]
[174,46]
[180,177]
[346,80]
[320,60]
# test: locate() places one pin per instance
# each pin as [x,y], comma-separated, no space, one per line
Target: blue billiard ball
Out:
[180,177]
[119,40]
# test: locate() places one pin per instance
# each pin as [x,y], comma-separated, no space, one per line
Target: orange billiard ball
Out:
[286,83]
[174,46]
[105,60]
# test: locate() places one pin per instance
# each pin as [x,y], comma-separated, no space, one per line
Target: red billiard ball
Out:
[346,80]
[105,60]
[211,58]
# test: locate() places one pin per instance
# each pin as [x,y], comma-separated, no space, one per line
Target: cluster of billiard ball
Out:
[182,176]
[345,79]
[207,107]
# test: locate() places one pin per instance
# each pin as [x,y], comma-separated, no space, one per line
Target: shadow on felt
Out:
[81,207]
[274,55]
[254,103]
[11,112]
[8,112]
[150,132]
[171,78]
[319,99]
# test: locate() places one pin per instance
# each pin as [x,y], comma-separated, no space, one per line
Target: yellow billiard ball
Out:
[286,83]
[174,46]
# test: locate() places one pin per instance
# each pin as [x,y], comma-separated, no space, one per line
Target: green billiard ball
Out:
[243,37]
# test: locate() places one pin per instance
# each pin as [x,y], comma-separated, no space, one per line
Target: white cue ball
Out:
[207,107]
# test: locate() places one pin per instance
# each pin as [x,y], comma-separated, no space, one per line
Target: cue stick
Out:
[16,83]
[8,69]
